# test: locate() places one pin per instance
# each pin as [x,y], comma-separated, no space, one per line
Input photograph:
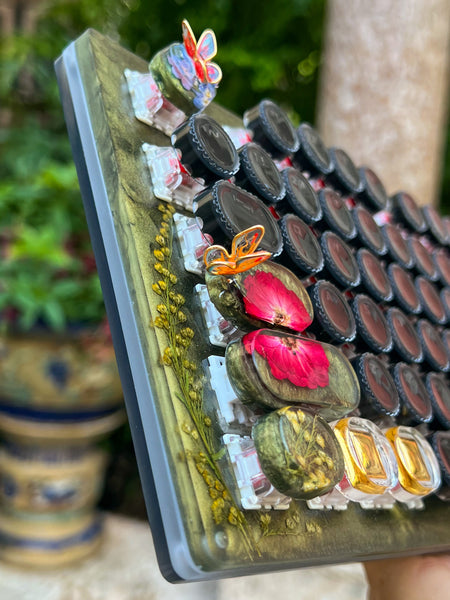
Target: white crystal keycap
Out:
[193,243]
[255,490]
[170,180]
[220,331]
[149,105]
[229,409]
[333,500]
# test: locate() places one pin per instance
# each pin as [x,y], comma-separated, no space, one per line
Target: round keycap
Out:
[312,156]
[340,263]
[406,341]
[258,174]
[345,177]
[415,401]
[300,196]
[302,251]
[206,149]
[406,211]
[373,194]
[272,129]
[372,328]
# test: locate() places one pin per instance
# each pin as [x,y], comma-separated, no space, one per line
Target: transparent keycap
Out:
[193,243]
[255,490]
[149,105]
[170,180]
[229,411]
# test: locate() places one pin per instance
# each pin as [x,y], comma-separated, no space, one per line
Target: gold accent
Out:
[412,470]
[366,465]
[368,455]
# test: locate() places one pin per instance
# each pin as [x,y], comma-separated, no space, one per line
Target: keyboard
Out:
[279,321]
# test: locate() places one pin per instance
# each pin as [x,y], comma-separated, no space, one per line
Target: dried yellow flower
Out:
[167,360]
[159,322]
[320,441]
[187,332]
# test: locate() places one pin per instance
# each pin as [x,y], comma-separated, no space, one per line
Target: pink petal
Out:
[268,299]
[249,341]
[302,362]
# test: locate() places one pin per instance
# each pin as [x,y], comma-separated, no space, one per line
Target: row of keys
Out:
[274,172]
[226,209]
[353,460]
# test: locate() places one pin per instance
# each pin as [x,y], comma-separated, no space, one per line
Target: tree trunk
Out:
[384,89]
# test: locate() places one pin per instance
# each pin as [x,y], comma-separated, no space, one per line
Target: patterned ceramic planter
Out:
[74,372]
[58,397]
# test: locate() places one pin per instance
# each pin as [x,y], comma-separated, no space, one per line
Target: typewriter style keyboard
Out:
[296,345]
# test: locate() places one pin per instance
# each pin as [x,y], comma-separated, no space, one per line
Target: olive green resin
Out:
[253,383]
[169,85]
[298,453]
[227,295]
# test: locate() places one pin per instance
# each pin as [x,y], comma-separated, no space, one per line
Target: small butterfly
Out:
[201,53]
[242,257]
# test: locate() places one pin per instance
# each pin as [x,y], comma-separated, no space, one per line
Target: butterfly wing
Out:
[251,260]
[213,73]
[244,249]
[246,242]
[242,256]
[220,268]
[189,40]
[207,45]
[215,254]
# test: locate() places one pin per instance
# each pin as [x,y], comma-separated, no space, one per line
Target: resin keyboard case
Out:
[193,518]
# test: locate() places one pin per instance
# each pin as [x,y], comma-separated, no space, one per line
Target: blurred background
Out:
[374,79]
[47,271]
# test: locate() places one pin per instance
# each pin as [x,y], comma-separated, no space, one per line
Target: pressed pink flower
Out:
[268,299]
[303,362]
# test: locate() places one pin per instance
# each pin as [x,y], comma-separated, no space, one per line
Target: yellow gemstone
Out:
[363,465]
[368,455]
[413,473]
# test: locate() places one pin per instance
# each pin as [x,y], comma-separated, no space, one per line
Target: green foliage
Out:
[47,271]
[264,50]
[445,193]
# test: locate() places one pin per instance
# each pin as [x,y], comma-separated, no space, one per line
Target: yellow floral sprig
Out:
[307,453]
[173,320]
[290,526]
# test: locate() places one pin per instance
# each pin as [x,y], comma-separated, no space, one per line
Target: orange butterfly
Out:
[243,256]
[201,53]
